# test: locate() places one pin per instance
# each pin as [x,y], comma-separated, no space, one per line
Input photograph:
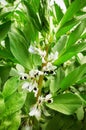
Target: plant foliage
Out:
[42,65]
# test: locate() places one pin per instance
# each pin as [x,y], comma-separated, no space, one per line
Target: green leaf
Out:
[11,122]
[65,103]
[72,10]
[10,86]
[35,4]
[30,32]
[66,3]
[4,73]
[83,36]
[15,121]
[19,50]
[75,35]
[10,1]
[14,103]
[2,104]
[73,77]
[59,46]
[5,14]
[82,80]
[58,11]
[66,28]
[55,81]
[6,54]
[61,122]
[33,16]
[37,61]
[4,28]
[30,101]
[80,113]
[70,53]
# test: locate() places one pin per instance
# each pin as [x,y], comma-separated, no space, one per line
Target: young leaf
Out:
[73,77]
[10,86]
[80,113]
[58,11]
[75,35]
[66,28]
[14,103]
[19,50]
[33,16]
[4,28]
[59,46]
[65,103]
[70,53]
[72,10]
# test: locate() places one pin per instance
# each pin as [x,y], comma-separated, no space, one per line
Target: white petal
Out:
[34,111]
[33,73]
[53,56]
[49,96]
[49,67]
[32,49]
[23,75]
[20,68]
[28,86]
[25,85]
[40,99]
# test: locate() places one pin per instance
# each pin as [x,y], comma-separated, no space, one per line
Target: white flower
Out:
[23,76]
[32,49]
[33,73]
[67,63]
[38,51]
[49,98]
[42,54]
[21,72]
[49,67]
[40,100]
[31,87]
[28,86]
[35,111]
[2,43]
[35,90]
[53,56]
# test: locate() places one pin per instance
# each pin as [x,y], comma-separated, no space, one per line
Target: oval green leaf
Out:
[65,103]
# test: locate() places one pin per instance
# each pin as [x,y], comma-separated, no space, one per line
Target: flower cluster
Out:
[31,80]
[50,59]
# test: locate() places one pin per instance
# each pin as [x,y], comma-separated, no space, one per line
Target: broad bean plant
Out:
[42,65]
